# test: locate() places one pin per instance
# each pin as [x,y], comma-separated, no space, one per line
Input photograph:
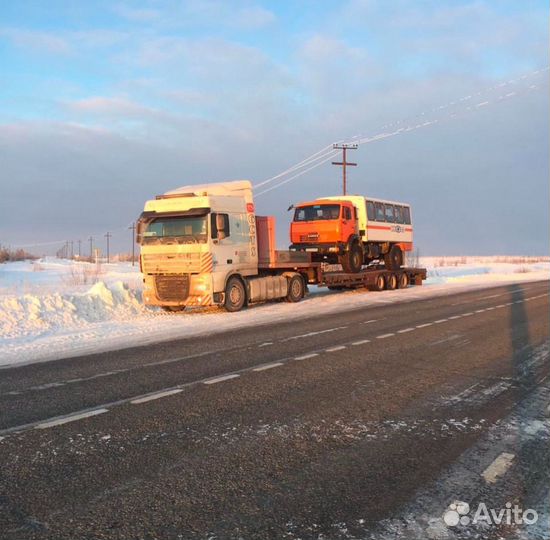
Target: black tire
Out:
[296,288]
[380,283]
[352,259]
[394,258]
[235,295]
[173,309]
[391,282]
[403,282]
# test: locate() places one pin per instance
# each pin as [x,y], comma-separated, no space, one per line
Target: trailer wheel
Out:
[403,281]
[394,258]
[379,283]
[352,259]
[391,282]
[296,289]
[235,295]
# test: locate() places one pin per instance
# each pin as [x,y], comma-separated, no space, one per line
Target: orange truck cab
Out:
[352,230]
[327,228]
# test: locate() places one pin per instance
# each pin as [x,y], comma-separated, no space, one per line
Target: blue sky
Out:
[104,104]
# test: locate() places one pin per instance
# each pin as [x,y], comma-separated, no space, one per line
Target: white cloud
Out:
[110,106]
[37,41]
[138,14]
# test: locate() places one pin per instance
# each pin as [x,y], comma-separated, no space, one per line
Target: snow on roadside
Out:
[50,309]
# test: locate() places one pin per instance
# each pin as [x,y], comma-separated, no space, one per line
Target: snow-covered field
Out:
[55,308]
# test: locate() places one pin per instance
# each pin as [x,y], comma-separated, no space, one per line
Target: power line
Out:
[360,140]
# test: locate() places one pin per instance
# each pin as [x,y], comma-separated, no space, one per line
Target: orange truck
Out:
[353,231]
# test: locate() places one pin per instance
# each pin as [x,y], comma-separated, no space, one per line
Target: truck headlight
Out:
[201,283]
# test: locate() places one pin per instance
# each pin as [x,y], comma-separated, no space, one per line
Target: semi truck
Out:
[353,231]
[204,245]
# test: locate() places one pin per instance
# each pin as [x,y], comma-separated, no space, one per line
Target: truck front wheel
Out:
[235,295]
[393,260]
[352,259]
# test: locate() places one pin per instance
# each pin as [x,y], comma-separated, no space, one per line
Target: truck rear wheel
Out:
[296,289]
[352,259]
[379,283]
[391,282]
[403,282]
[235,295]
[394,258]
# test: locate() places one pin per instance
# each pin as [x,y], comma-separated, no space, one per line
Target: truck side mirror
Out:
[139,231]
[219,226]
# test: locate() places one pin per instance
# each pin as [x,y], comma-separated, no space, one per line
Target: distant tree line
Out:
[7,254]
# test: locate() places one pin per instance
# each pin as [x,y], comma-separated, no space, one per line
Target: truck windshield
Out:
[185,229]
[317,212]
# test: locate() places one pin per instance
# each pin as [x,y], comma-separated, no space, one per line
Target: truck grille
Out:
[176,263]
[172,288]
[311,237]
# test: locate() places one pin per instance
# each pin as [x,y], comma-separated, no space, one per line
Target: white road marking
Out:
[222,378]
[335,348]
[157,395]
[309,334]
[439,321]
[425,325]
[518,301]
[490,308]
[266,344]
[268,366]
[453,317]
[370,321]
[445,340]
[498,468]
[361,342]
[384,336]
[500,306]
[467,314]
[306,356]
[405,330]
[480,310]
[492,296]
[70,418]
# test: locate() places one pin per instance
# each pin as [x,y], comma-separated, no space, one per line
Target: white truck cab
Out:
[199,247]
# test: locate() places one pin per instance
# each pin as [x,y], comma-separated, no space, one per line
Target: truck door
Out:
[349,221]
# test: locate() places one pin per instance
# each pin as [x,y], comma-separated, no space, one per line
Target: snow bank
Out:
[49,313]
[33,315]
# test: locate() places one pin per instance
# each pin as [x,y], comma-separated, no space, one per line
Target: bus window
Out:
[389,213]
[406,215]
[379,211]
[370,211]
[398,214]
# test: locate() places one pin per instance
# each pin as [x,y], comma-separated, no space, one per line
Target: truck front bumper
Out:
[322,248]
[178,290]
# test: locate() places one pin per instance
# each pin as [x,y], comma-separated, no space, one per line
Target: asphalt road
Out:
[340,426]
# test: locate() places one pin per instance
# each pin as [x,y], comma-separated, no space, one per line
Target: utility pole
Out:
[108,236]
[79,248]
[91,240]
[72,249]
[133,229]
[344,163]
